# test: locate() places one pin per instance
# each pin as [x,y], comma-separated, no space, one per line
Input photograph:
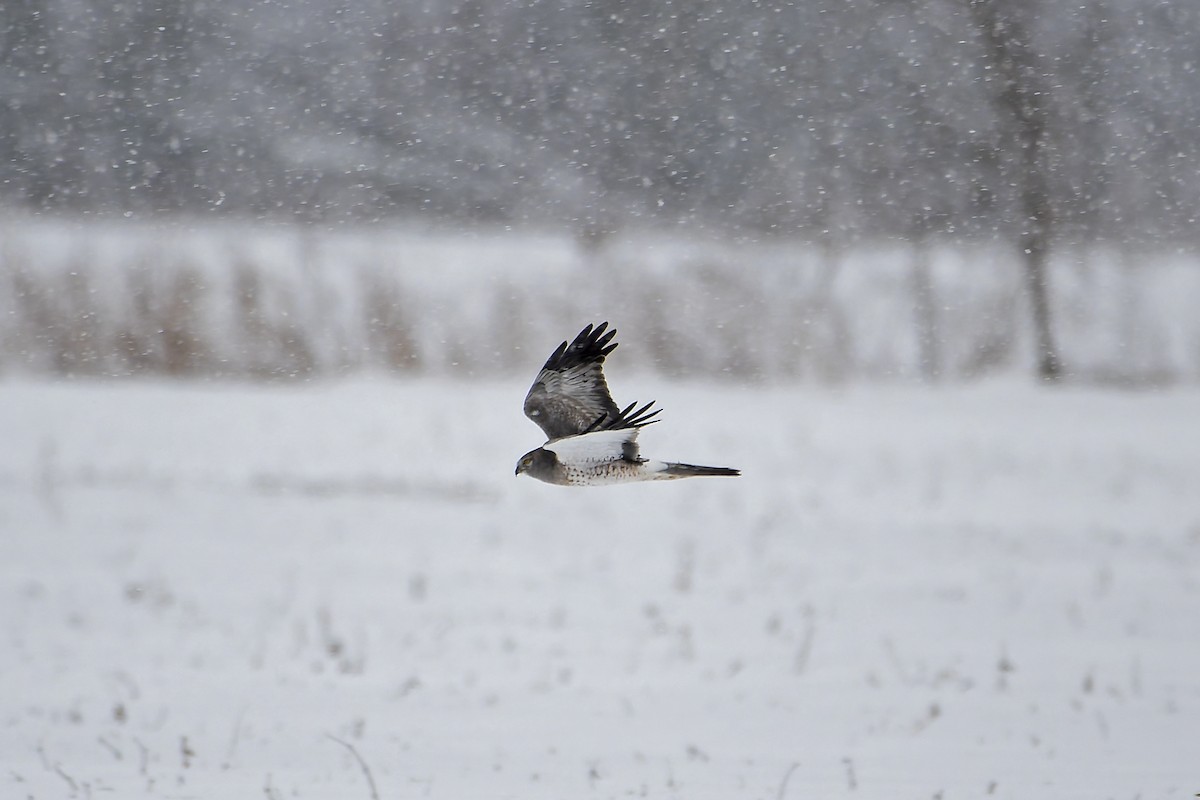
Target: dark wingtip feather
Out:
[628,418]
[590,346]
[604,340]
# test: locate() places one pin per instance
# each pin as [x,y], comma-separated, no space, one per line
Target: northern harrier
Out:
[591,441]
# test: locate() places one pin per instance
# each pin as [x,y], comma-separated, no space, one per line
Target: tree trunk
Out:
[1036,250]
[1020,96]
[925,308]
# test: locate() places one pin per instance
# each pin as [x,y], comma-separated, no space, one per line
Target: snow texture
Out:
[233,591]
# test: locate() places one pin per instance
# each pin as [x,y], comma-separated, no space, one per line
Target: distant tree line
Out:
[286,302]
[827,120]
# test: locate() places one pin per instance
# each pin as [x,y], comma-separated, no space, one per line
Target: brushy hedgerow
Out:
[275,302]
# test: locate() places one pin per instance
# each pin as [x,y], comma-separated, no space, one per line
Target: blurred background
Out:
[275,276]
[914,189]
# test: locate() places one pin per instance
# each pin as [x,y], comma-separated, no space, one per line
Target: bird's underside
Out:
[606,457]
[591,441]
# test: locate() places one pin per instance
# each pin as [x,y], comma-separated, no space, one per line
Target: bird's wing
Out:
[615,441]
[597,447]
[570,395]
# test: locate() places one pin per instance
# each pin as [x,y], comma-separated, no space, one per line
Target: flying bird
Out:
[591,441]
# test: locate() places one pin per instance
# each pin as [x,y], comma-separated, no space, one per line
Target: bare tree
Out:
[1020,96]
[818,120]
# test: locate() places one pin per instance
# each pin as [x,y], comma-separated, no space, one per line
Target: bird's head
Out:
[535,462]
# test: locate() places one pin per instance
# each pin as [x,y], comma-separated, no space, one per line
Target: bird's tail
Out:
[673,470]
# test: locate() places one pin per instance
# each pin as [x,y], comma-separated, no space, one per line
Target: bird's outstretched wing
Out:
[570,395]
[626,420]
[598,447]
[608,439]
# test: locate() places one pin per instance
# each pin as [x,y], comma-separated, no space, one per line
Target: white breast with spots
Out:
[603,474]
[598,458]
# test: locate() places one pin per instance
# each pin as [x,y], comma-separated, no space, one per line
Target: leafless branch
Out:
[361,763]
[787,776]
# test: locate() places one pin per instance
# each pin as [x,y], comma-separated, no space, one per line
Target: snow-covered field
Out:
[238,591]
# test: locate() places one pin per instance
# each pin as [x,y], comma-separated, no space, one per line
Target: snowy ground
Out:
[233,591]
